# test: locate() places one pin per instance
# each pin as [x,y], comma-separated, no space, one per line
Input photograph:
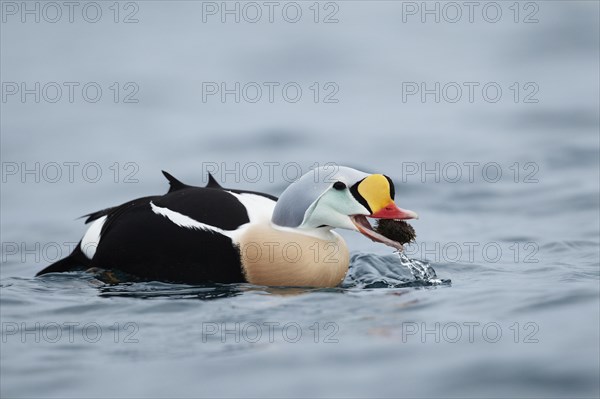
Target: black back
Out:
[139,242]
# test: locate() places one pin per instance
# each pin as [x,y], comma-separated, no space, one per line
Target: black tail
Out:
[75,261]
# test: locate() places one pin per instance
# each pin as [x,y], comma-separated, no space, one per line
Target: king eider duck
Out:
[217,235]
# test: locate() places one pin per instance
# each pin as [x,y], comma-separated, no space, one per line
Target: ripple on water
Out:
[569,246]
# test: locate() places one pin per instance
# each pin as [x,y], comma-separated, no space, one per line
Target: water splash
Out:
[421,270]
[390,271]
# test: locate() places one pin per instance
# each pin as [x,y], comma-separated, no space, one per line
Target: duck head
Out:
[339,197]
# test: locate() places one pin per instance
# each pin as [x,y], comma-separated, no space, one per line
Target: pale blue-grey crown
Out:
[301,194]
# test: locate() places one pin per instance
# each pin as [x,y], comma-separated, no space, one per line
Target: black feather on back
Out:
[174,183]
[212,182]
[98,214]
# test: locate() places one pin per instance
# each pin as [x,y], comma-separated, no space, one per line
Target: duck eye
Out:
[338,185]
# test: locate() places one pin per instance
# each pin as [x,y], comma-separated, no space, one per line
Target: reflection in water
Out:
[367,271]
[149,290]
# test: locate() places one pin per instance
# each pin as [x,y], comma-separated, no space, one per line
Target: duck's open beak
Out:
[365,228]
[389,212]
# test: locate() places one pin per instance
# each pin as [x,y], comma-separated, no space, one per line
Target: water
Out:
[421,271]
[514,306]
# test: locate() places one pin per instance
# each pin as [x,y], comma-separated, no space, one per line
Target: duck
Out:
[212,234]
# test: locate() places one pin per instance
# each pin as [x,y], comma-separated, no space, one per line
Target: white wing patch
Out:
[259,208]
[186,221]
[91,238]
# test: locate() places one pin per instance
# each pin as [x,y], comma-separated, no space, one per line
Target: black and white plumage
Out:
[200,234]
